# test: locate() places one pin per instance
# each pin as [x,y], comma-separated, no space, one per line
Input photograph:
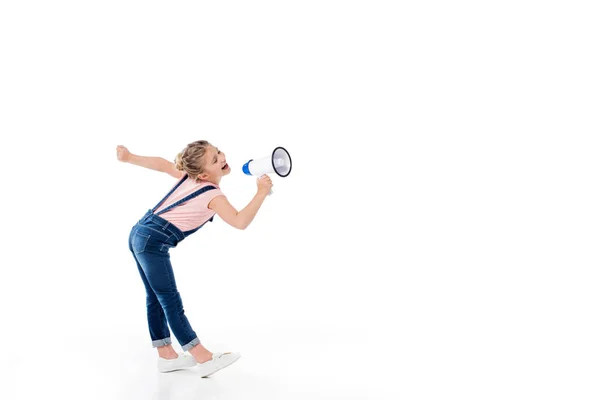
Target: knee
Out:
[152,301]
[170,301]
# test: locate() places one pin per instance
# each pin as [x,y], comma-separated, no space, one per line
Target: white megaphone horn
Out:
[279,162]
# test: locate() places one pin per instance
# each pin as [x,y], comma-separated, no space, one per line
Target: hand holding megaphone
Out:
[278,162]
[264,183]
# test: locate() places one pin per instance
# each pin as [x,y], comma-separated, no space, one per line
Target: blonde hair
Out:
[191,159]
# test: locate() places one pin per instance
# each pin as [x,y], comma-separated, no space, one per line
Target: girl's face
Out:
[215,165]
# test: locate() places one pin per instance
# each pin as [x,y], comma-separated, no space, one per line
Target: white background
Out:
[436,238]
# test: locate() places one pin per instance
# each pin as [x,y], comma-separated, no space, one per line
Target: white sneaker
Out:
[219,361]
[182,361]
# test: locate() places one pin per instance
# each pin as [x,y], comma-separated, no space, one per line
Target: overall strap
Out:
[186,198]
[170,193]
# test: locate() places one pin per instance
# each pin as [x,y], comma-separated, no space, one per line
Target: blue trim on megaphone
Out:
[246,169]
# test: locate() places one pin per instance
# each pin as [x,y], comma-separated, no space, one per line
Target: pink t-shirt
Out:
[194,212]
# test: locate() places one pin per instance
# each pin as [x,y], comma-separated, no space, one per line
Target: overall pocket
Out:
[139,242]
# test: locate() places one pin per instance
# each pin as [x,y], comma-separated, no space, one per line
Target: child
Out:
[191,203]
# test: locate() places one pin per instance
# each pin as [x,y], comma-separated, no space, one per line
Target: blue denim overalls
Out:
[149,242]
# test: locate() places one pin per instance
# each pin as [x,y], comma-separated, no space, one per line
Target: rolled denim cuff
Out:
[161,342]
[191,344]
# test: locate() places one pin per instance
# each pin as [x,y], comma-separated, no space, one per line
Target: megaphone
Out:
[279,162]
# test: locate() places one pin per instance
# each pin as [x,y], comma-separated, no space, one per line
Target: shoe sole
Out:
[223,366]
[179,368]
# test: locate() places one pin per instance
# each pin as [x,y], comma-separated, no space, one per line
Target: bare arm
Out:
[241,219]
[154,163]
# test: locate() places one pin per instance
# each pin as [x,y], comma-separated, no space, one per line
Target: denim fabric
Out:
[150,240]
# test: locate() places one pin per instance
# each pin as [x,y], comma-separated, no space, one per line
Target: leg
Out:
[156,267]
[157,322]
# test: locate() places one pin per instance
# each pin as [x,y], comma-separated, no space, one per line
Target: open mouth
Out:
[225,166]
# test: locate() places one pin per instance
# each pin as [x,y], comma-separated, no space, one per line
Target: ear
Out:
[203,176]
